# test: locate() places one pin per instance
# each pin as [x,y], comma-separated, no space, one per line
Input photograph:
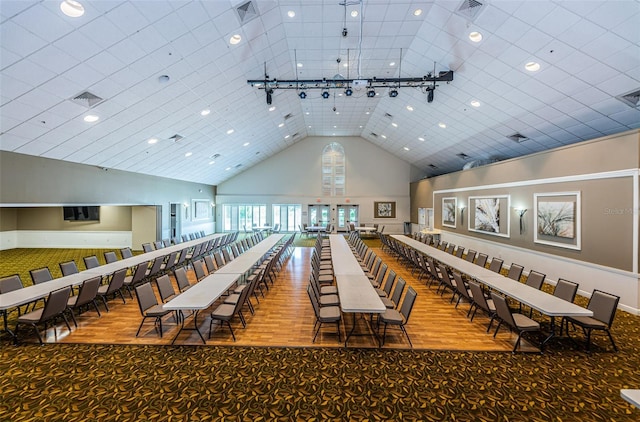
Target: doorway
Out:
[346,214]
[175,220]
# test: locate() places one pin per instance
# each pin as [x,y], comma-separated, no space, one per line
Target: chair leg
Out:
[497,329]
[95,305]
[612,342]
[73,318]
[406,334]
[140,327]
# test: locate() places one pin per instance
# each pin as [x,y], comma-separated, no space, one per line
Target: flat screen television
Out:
[86,213]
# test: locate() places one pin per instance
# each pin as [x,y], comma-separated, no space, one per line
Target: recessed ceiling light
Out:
[354,13]
[417,12]
[409,108]
[188,154]
[384,136]
[406,148]
[475,103]
[392,64]
[90,118]
[163,79]
[235,39]
[72,8]
[227,169]
[211,162]
[421,139]
[360,126]
[337,112]
[205,112]
[272,108]
[475,36]
[307,113]
[291,14]
[281,125]
[532,66]
[299,65]
[246,144]
[345,64]
[394,124]
[230,131]
[442,125]
[366,112]
[287,137]
[335,127]
[152,141]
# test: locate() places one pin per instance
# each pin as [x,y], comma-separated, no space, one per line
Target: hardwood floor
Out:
[284,317]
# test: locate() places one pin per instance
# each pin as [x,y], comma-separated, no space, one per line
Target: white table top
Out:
[316,228]
[537,299]
[203,294]
[246,260]
[354,288]
[365,228]
[632,396]
[35,292]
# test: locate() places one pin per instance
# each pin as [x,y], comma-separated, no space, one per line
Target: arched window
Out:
[333,170]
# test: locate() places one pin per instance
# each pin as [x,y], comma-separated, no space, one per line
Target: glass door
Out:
[346,214]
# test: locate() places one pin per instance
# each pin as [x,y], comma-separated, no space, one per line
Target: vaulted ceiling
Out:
[156,66]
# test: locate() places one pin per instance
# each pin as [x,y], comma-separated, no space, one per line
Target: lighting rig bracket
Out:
[427,81]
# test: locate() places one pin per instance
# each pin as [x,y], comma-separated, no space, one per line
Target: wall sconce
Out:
[521,212]
[462,207]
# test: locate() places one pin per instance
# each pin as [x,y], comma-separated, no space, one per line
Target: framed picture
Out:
[557,219]
[490,214]
[449,207]
[201,209]
[384,209]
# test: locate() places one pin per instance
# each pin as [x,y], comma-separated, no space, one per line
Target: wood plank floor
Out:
[284,317]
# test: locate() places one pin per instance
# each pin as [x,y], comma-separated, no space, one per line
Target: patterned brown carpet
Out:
[80,382]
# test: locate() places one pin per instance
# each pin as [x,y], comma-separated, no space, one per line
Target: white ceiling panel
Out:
[588,52]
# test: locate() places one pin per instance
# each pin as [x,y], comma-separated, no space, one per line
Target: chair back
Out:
[407,303]
[566,290]
[502,309]
[56,303]
[604,306]
[41,275]
[117,280]
[165,288]
[208,261]
[88,291]
[227,256]
[478,295]
[181,278]
[535,280]
[140,272]
[158,244]
[444,274]
[126,253]
[389,284]
[10,283]
[496,265]
[219,259]
[68,268]
[482,259]
[166,242]
[459,252]
[515,271]
[171,260]
[471,255]
[185,238]
[183,256]
[397,291]
[381,273]
[460,286]
[146,298]
[235,251]
[198,269]
[450,248]
[157,264]
[91,262]
[175,240]
[110,257]
[313,299]
[146,247]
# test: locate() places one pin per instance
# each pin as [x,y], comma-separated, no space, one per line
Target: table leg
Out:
[195,327]
[552,333]
[6,325]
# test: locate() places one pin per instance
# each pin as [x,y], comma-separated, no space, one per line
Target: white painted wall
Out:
[293,177]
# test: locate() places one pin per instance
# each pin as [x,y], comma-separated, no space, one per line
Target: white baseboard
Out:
[65,239]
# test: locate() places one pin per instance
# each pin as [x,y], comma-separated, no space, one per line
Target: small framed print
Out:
[384,209]
[449,206]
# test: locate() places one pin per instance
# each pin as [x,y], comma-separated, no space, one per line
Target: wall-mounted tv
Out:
[88,213]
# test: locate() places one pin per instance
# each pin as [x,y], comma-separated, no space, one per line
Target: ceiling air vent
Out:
[247,12]
[470,9]
[517,137]
[463,155]
[288,116]
[237,166]
[631,99]
[295,134]
[375,135]
[87,99]
[387,115]
[176,138]
[433,166]
[214,156]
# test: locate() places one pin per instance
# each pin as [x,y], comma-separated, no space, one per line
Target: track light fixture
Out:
[371,93]
[430,94]
[302,95]
[393,93]
[269,96]
[325,94]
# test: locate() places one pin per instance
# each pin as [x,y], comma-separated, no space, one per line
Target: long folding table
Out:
[539,300]
[357,294]
[203,294]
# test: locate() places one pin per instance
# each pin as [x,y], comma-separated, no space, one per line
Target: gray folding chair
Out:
[86,295]
[54,307]
[149,307]
[401,318]
[604,306]
[516,321]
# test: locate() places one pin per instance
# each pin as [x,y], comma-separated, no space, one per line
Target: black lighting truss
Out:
[424,81]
